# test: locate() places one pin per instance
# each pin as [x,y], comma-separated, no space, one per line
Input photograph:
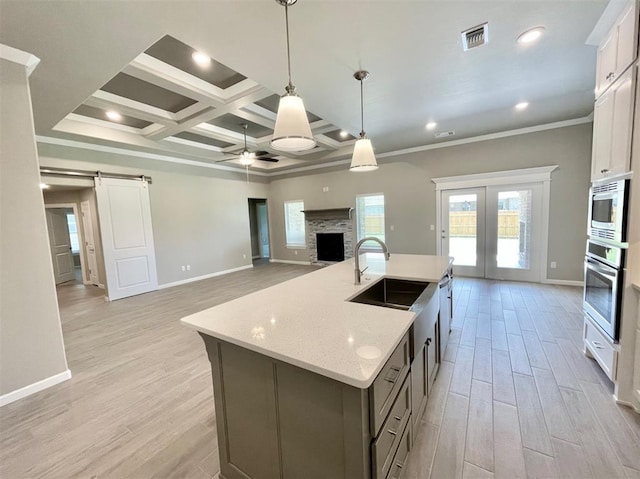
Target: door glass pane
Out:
[514,229]
[463,228]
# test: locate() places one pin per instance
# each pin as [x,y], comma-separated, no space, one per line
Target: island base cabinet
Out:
[275,420]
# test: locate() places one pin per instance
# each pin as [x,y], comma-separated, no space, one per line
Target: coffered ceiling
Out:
[135,58]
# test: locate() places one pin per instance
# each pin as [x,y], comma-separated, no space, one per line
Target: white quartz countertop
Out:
[309,322]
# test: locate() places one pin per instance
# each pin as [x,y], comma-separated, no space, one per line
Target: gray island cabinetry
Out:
[317,377]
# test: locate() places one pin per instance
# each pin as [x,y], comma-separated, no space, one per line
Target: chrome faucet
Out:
[385,250]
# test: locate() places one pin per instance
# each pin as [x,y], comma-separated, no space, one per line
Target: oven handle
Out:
[600,268]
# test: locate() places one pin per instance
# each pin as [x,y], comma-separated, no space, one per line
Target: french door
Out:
[494,231]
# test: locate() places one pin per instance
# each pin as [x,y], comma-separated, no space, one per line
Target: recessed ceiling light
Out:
[344,134]
[431,125]
[114,115]
[531,35]
[44,186]
[522,105]
[201,58]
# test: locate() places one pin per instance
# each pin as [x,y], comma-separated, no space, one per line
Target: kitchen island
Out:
[310,384]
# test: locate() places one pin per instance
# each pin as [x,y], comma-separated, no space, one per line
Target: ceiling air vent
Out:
[444,134]
[475,37]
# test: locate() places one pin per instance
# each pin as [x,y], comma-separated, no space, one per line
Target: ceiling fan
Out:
[246,157]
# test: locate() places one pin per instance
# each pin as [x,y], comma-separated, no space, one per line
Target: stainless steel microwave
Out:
[608,210]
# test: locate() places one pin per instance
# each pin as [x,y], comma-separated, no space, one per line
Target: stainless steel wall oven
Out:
[603,284]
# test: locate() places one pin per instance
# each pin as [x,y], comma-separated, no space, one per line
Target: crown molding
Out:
[390,154]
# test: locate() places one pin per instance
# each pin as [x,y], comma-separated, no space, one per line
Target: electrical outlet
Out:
[432,227]
[392,228]
[295,251]
[188,267]
[325,189]
[244,256]
[183,268]
[554,265]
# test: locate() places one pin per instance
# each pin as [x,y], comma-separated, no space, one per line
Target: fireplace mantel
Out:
[328,214]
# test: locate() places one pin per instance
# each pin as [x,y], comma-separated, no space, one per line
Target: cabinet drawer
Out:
[399,462]
[384,447]
[601,348]
[386,386]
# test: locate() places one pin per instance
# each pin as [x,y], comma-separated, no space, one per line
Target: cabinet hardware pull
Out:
[611,75]
[399,465]
[604,171]
[397,371]
[392,432]
[428,341]
[597,345]
[397,418]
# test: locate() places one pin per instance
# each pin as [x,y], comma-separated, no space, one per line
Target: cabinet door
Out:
[606,64]
[612,124]
[418,386]
[433,361]
[627,39]
[622,123]
[618,50]
[602,130]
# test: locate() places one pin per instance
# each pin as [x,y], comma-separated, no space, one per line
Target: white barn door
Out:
[127,237]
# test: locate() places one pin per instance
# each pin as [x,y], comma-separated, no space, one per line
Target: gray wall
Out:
[410,195]
[31,347]
[198,219]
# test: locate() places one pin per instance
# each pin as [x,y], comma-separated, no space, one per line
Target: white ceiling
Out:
[413,50]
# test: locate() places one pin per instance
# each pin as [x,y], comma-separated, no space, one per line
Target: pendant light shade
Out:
[292,131]
[363,158]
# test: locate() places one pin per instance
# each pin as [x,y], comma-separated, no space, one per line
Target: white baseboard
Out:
[627,404]
[206,276]
[287,261]
[34,388]
[563,282]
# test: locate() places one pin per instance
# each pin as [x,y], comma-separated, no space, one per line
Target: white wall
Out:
[31,347]
[410,195]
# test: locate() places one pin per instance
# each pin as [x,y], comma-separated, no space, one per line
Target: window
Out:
[73,233]
[294,223]
[370,216]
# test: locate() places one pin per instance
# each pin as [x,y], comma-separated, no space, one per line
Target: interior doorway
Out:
[259,229]
[64,242]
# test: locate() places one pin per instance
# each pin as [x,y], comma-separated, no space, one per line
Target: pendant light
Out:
[292,131]
[246,157]
[363,158]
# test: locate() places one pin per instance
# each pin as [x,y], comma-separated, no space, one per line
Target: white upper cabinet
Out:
[612,125]
[618,50]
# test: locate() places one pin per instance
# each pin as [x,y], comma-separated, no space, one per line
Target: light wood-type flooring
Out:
[515,397]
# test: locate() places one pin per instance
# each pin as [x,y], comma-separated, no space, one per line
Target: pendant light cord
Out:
[290,87]
[244,133]
[362,133]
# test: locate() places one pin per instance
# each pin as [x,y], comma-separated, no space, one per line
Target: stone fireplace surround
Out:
[333,220]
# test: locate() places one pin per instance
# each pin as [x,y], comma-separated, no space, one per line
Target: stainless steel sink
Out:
[392,293]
